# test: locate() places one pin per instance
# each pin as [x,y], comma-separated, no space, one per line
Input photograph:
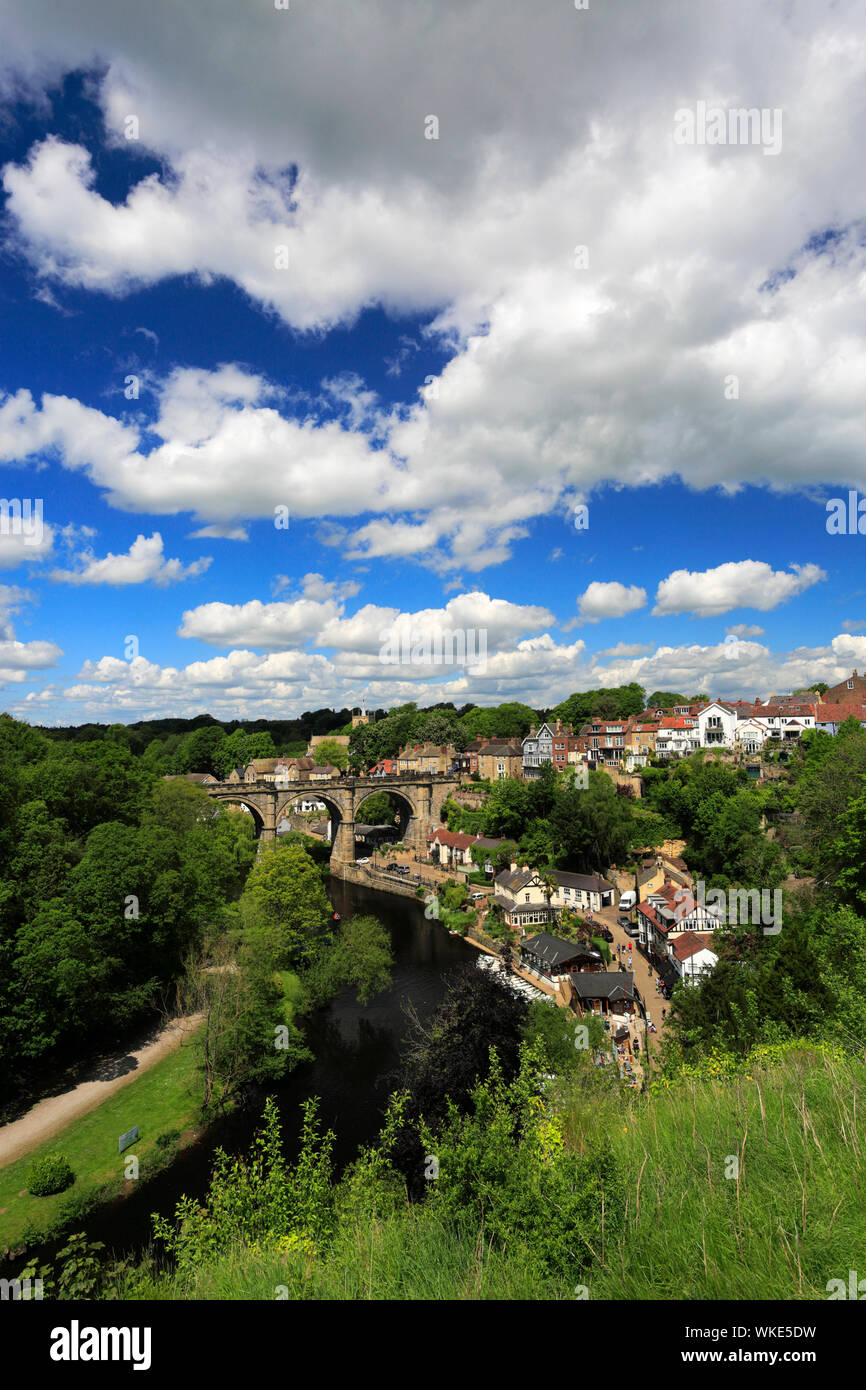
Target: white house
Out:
[717,725]
[691,957]
[521,894]
[784,723]
[750,736]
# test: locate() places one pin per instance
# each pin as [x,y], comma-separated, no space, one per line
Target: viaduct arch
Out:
[423,794]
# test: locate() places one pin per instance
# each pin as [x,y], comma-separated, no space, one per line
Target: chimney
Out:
[513,866]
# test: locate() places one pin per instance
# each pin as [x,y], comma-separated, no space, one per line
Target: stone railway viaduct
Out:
[419,797]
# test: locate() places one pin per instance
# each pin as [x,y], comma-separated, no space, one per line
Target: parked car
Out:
[391,867]
[362,861]
[624,921]
[473,896]
[606,934]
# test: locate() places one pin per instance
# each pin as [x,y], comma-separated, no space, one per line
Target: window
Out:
[526,898]
[850,685]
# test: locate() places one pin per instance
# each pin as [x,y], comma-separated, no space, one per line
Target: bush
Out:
[49,1174]
[165,1141]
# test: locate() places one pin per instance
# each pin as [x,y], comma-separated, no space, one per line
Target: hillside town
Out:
[626,937]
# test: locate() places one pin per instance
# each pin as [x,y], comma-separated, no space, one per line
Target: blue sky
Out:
[393,342]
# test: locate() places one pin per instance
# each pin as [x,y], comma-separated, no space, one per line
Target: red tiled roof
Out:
[646,911]
[837,714]
[455,838]
[689,944]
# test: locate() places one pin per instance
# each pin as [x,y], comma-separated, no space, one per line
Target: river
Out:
[356,1048]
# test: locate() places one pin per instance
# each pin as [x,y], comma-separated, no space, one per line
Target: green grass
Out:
[165,1097]
[410,1255]
[791,1221]
[794,1218]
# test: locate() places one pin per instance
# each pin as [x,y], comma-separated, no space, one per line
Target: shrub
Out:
[165,1141]
[49,1174]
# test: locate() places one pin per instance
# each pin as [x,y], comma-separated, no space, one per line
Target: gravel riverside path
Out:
[54,1113]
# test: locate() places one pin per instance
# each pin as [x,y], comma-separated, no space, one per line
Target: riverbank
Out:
[162,1100]
[49,1116]
[357,1050]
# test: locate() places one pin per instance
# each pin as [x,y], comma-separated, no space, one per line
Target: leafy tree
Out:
[199,749]
[360,957]
[553,1031]
[507,808]
[240,748]
[241,1000]
[764,989]
[286,898]
[619,702]
[832,777]
[329,751]
[664,699]
[536,844]
[592,826]
[87,784]
[444,1058]
[441,728]
[508,721]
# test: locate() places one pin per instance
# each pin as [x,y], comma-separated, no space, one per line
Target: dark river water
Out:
[356,1048]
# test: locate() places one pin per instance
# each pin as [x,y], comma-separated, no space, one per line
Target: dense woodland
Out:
[119,888]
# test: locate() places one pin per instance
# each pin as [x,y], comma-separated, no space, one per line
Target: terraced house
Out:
[639,744]
[427,757]
[678,736]
[602,742]
[550,743]
[493,759]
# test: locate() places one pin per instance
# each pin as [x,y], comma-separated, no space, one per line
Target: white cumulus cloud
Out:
[736,584]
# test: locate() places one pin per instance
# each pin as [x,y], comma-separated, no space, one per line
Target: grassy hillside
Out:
[791,1220]
[780,1226]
